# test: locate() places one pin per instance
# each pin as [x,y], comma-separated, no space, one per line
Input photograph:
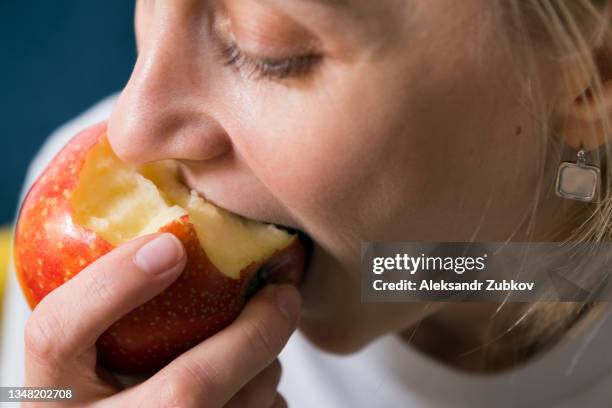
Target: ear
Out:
[579,113]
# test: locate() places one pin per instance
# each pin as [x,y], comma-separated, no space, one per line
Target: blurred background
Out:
[57,59]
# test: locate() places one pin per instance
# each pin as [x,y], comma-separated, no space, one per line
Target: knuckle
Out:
[98,287]
[172,392]
[42,337]
[263,341]
[183,388]
[204,376]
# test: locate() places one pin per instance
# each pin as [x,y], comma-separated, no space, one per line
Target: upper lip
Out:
[304,237]
[184,178]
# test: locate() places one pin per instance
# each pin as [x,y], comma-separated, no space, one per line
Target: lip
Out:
[186,176]
[267,275]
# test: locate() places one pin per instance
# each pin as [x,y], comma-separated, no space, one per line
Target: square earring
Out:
[578,181]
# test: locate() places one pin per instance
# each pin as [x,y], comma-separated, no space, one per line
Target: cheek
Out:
[391,157]
[336,160]
[316,160]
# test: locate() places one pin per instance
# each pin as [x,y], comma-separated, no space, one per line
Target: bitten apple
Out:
[88,201]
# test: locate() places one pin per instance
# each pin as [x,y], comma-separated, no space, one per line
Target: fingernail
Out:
[289,301]
[159,255]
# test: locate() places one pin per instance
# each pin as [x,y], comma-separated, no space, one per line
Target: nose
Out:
[166,109]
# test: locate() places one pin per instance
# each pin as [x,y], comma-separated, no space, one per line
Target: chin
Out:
[333,318]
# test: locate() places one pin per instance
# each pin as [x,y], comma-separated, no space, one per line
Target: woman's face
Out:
[351,120]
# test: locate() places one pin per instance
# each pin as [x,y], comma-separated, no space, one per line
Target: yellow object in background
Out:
[5,250]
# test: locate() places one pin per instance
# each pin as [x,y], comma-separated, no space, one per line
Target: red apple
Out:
[87,202]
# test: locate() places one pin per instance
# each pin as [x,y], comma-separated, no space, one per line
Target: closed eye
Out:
[259,67]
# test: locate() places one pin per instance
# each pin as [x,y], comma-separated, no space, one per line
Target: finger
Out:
[216,369]
[260,391]
[71,318]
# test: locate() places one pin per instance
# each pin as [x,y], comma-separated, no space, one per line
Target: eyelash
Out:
[268,68]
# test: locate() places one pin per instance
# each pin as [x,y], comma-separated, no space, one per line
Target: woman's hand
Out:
[235,367]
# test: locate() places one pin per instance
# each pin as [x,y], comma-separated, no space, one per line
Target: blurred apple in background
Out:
[87,202]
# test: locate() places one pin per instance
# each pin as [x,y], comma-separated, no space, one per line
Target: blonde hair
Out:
[576,31]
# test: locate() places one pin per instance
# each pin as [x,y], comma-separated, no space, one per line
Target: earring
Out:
[578,180]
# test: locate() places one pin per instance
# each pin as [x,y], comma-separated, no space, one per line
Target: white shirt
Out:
[577,372]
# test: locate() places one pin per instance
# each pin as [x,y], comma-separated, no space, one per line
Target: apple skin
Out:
[50,248]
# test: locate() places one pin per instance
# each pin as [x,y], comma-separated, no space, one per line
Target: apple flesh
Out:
[88,202]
